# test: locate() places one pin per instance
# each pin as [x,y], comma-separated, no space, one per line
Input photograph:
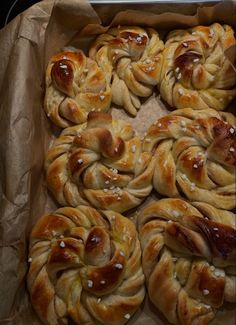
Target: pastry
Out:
[75,85]
[195,156]
[85,266]
[100,163]
[189,259]
[196,72]
[132,59]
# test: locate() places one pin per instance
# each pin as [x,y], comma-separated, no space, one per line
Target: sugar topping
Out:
[133,148]
[211,33]
[219,273]
[147,61]
[192,187]
[90,283]
[62,244]
[176,214]
[139,39]
[179,76]
[184,177]
[114,170]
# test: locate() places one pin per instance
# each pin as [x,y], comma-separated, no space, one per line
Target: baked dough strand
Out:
[189,259]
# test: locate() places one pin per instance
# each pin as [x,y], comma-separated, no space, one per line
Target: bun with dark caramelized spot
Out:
[195,156]
[75,85]
[189,259]
[85,266]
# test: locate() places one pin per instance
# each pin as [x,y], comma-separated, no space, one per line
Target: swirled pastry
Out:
[189,259]
[195,156]
[75,85]
[196,72]
[132,59]
[85,266]
[100,163]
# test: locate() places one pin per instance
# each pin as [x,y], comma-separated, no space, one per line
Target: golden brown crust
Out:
[196,72]
[132,59]
[195,156]
[85,265]
[75,85]
[99,163]
[189,259]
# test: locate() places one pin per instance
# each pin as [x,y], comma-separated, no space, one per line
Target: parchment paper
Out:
[26,45]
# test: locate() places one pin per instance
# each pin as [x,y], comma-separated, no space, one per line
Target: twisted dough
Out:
[132,58]
[195,156]
[196,72]
[85,266]
[75,85]
[189,259]
[101,164]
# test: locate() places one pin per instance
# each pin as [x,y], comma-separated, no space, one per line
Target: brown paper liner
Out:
[26,44]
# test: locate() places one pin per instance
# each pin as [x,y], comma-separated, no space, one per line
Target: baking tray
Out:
[22,206]
[102,2]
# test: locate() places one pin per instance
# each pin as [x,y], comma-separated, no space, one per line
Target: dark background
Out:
[17,7]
